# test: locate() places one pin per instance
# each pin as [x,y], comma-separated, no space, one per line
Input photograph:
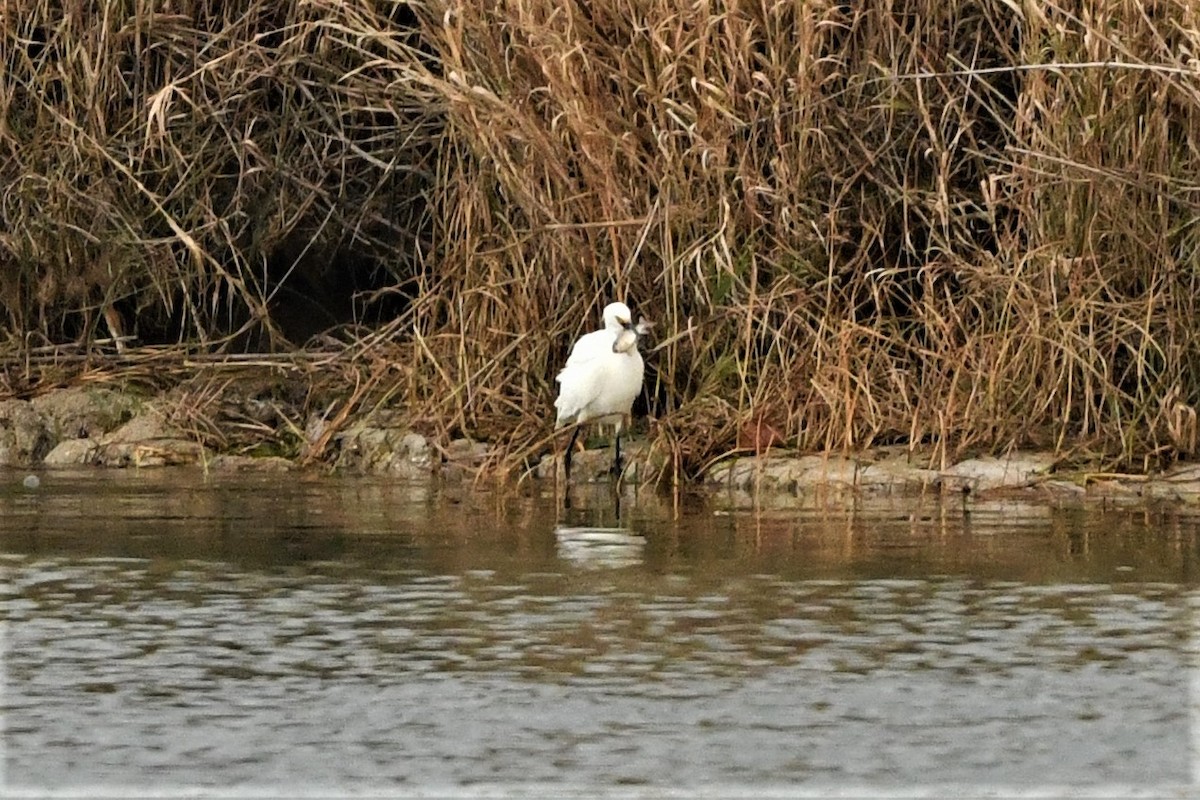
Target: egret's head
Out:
[617,317]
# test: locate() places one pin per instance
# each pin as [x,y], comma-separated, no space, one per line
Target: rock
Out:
[897,473]
[232,463]
[415,448]
[23,437]
[155,453]
[467,452]
[84,412]
[1061,490]
[167,453]
[393,451]
[982,474]
[148,440]
[594,465]
[1186,473]
[1114,490]
[1181,483]
[890,474]
[736,473]
[810,473]
[73,452]
[144,427]
[816,471]
[463,458]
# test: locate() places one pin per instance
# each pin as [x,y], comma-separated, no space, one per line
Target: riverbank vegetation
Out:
[961,225]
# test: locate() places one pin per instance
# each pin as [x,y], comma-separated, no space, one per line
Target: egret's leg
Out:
[616,465]
[570,452]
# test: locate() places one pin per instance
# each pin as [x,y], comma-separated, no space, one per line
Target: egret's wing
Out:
[579,381]
[587,348]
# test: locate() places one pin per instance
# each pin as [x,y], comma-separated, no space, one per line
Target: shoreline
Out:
[101,427]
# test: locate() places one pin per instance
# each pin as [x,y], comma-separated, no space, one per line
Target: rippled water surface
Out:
[164,632]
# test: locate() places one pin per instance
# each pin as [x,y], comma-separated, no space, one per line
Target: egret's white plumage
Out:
[602,378]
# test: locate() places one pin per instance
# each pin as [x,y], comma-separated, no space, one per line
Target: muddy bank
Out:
[104,427]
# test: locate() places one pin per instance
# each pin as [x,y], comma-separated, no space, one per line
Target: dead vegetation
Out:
[964,226]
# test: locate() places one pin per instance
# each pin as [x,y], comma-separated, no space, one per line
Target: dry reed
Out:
[962,226]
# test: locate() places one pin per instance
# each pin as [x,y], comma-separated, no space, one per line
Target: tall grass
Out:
[179,162]
[964,225]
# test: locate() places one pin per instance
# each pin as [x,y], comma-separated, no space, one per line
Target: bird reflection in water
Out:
[591,535]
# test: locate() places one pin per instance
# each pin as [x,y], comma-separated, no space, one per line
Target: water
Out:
[284,635]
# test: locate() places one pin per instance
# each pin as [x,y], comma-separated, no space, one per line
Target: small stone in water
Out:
[32,482]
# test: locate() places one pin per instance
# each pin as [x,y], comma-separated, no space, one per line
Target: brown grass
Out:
[964,226]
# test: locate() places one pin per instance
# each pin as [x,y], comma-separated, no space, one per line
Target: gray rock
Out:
[415,448]
[84,412]
[144,427]
[594,465]
[392,451]
[154,453]
[468,453]
[148,440]
[1185,473]
[232,463]
[24,440]
[1181,483]
[462,459]
[1062,490]
[981,474]
[818,473]
[72,453]
[896,474]
[787,474]
[735,473]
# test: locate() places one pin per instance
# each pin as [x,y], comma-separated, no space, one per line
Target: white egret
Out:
[602,378]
